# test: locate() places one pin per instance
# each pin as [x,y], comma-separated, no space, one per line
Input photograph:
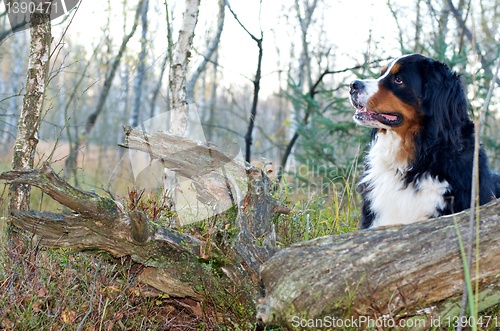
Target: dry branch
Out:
[100,223]
[400,271]
[175,263]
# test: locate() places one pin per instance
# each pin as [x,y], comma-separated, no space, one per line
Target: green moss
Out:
[107,205]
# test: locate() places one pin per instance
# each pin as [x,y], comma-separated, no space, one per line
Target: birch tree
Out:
[29,120]
[179,69]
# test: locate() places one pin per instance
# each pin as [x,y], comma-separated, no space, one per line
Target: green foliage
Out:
[329,140]
[317,215]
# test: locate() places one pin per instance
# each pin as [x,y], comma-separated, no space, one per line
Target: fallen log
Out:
[393,273]
[178,264]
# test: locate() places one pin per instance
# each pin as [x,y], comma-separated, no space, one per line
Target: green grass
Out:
[316,215]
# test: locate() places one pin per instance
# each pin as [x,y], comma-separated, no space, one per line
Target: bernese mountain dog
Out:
[419,164]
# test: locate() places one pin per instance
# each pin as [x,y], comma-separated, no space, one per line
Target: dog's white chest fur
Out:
[391,201]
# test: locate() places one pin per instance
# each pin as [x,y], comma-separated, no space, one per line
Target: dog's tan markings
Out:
[395,68]
[384,101]
[382,72]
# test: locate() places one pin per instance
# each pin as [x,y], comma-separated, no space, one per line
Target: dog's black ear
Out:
[443,102]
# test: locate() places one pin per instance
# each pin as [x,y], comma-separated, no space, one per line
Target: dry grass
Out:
[43,289]
[64,290]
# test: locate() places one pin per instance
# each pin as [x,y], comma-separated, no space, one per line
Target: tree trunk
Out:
[156,91]
[72,160]
[178,71]
[214,43]
[401,272]
[256,89]
[457,13]
[103,96]
[30,118]
[305,74]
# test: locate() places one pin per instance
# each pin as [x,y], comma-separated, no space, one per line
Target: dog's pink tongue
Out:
[389,117]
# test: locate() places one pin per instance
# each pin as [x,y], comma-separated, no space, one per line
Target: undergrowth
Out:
[61,289]
[317,214]
[65,290]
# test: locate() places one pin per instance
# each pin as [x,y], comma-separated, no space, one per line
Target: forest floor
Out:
[61,289]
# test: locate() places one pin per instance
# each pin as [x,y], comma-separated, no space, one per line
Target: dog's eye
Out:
[398,80]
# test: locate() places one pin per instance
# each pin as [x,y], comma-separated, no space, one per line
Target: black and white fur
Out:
[420,160]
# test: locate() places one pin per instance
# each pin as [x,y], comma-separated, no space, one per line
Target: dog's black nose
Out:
[356,86]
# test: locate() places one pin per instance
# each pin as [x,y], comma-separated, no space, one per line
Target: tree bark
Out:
[178,70]
[401,272]
[30,118]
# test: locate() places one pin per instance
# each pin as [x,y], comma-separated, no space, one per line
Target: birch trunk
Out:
[29,120]
[179,69]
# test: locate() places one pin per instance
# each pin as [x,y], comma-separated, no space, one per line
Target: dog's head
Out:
[412,91]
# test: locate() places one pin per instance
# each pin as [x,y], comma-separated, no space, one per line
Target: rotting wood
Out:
[394,272]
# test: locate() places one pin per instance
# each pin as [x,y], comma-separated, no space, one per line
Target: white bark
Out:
[178,71]
[29,119]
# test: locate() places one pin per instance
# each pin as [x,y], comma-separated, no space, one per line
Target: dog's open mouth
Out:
[364,115]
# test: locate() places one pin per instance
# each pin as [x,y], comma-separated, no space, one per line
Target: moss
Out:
[108,206]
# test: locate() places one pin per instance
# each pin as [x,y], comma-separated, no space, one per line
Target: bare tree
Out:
[29,120]
[304,17]
[156,91]
[256,87]
[209,52]
[461,21]
[15,81]
[71,161]
[141,70]
[179,69]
